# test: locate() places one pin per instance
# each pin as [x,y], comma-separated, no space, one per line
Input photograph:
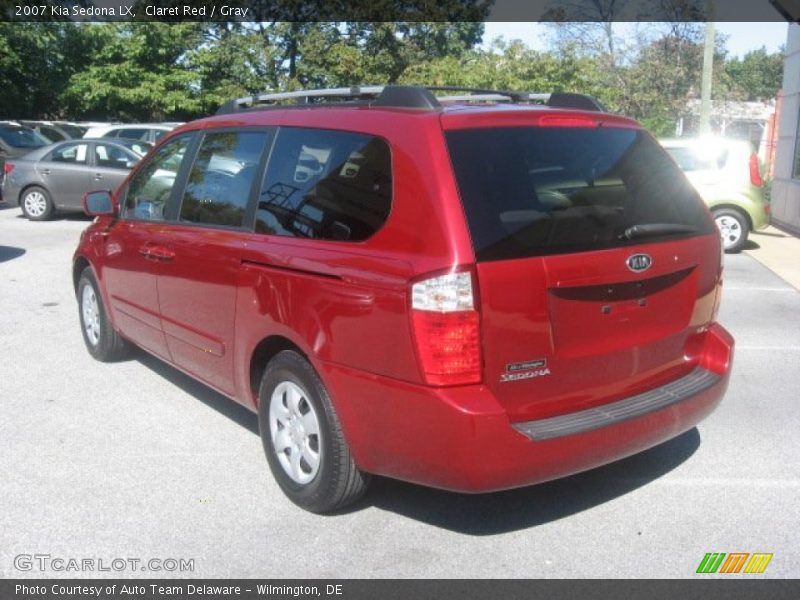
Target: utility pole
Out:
[705,86]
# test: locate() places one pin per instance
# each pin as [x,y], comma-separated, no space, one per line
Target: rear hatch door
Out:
[596,261]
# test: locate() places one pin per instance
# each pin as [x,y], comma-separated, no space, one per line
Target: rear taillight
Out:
[447,329]
[7,168]
[755,173]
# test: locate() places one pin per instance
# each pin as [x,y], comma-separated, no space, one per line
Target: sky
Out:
[742,37]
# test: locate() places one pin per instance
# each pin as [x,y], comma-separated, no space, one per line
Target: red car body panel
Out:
[463,440]
[214,295]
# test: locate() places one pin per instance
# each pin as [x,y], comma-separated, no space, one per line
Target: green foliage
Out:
[161,71]
[756,76]
[36,59]
[137,73]
[510,67]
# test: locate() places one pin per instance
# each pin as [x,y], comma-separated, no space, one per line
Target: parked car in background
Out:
[16,140]
[460,293]
[74,130]
[146,132]
[727,175]
[137,146]
[48,129]
[55,177]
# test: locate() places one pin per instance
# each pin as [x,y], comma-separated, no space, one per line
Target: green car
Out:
[726,173]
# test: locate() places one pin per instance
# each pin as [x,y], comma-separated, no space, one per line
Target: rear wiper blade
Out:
[654,229]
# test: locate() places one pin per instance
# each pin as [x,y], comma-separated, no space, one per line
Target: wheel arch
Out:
[738,209]
[29,186]
[78,265]
[262,354]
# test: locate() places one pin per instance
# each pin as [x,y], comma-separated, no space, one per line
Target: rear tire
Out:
[733,228]
[102,342]
[302,437]
[36,204]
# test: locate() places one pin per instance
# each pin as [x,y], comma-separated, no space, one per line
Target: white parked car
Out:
[145,132]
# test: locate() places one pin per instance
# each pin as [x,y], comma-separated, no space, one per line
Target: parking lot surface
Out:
[136,460]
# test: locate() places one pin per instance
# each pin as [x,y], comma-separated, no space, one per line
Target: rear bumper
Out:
[461,438]
[760,216]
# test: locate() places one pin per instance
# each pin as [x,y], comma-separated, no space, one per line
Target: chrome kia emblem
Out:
[639,262]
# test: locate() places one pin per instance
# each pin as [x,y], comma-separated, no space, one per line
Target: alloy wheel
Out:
[294,430]
[730,230]
[35,203]
[91,315]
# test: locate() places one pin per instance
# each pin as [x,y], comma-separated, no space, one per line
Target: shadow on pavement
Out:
[501,512]
[770,234]
[10,253]
[224,406]
[477,514]
[62,216]
[750,245]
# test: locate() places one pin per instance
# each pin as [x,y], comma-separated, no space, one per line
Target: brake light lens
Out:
[755,173]
[7,168]
[447,329]
[563,121]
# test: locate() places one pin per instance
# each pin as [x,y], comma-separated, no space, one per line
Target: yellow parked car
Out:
[727,175]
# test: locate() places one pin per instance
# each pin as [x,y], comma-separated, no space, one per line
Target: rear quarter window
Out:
[531,191]
[323,184]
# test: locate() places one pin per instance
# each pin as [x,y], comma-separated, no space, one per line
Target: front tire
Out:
[102,342]
[36,204]
[733,228]
[303,439]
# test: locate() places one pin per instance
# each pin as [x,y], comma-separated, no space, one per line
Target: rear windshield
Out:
[531,191]
[74,130]
[22,137]
[691,159]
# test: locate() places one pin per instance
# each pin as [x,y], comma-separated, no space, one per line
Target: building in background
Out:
[732,119]
[786,185]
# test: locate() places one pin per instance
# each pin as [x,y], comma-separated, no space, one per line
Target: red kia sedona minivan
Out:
[474,292]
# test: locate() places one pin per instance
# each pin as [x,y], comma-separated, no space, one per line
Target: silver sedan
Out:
[55,177]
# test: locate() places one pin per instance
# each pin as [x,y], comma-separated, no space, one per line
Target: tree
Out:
[756,76]
[511,66]
[36,61]
[138,73]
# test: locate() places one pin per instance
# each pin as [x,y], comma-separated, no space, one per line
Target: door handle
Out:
[45,171]
[98,177]
[156,253]
[161,253]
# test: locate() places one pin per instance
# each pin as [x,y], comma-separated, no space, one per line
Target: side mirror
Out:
[98,203]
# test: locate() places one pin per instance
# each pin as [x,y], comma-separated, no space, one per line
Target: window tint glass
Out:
[221,178]
[157,133]
[132,134]
[22,137]
[326,185]
[51,134]
[139,147]
[73,130]
[113,157]
[547,190]
[692,159]
[150,188]
[70,153]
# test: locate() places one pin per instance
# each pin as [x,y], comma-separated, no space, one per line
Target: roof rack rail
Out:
[554,99]
[379,95]
[400,96]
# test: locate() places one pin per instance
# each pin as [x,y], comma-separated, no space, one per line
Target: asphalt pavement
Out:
[136,461]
